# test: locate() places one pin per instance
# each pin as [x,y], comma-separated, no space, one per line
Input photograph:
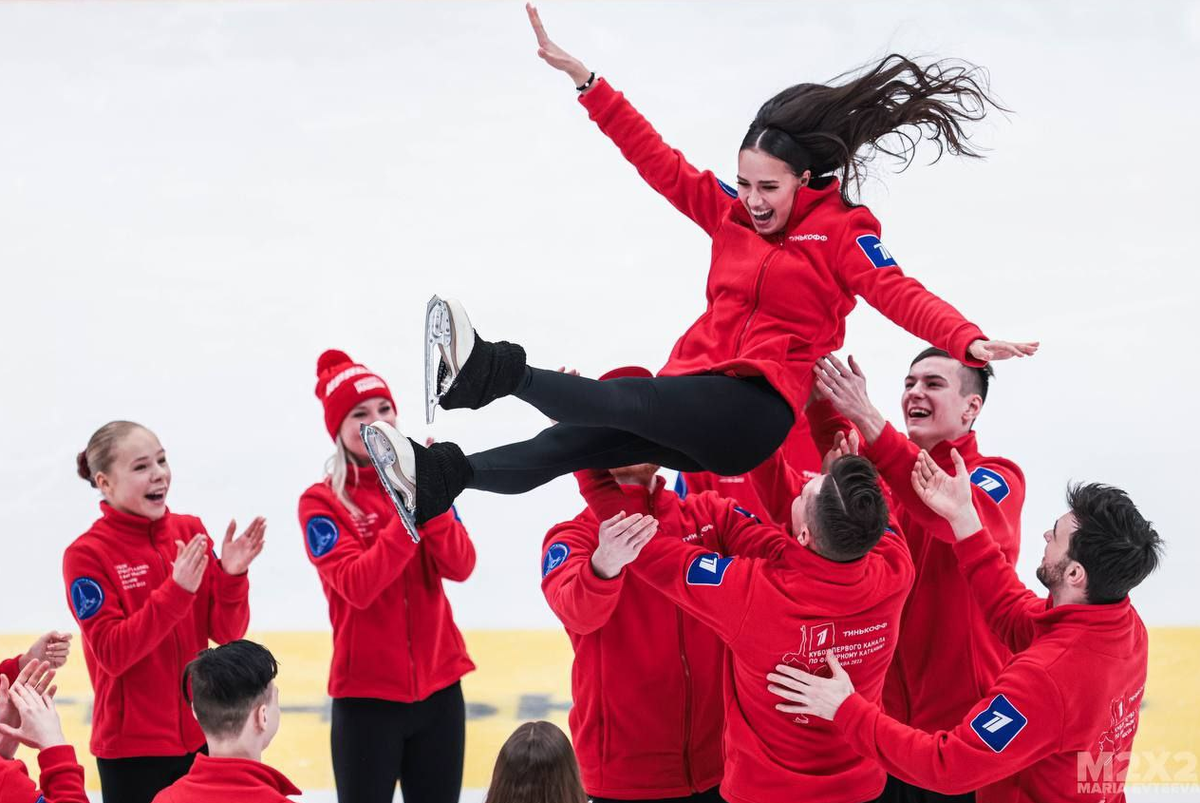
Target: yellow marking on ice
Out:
[534,666]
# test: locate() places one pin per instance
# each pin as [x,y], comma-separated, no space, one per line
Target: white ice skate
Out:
[449,339]
[396,463]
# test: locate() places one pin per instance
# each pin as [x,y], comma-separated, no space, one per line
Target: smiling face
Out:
[767,188]
[934,406]
[138,479]
[365,412]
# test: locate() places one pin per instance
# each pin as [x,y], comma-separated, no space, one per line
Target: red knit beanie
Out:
[342,384]
[628,371]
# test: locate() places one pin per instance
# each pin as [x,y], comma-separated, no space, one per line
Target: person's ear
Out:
[102,483]
[805,536]
[805,177]
[1076,576]
[973,408]
[260,718]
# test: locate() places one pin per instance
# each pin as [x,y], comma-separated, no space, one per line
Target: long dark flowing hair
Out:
[887,108]
[536,765]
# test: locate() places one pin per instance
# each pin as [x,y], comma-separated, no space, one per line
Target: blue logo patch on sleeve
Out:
[457,517]
[876,251]
[87,597]
[999,723]
[747,513]
[707,569]
[556,555]
[321,533]
[681,489]
[725,188]
[991,483]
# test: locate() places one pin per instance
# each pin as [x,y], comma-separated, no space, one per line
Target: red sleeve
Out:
[997,489]
[777,485]
[868,270]
[228,600]
[825,422]
[10,668]
[739,532]
[716,590]
[582,601]
[447,544]
[355,571]
[118,638]
[1019,722]
[1007,604]
[62,776]
[696,194]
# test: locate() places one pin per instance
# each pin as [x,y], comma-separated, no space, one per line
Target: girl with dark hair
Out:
[398,709]
[149,592]
[536,765]
[790,254]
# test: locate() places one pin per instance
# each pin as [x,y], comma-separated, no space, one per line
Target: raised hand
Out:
[946,495]
[842,446]
[554,55]
[53,647]
[811,695]
[621,540]
[993,350]
[40,726]
[846,389]
[237,555]
[191,559]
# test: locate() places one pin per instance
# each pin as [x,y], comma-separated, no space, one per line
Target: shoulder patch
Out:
[681,489]
[556,555]
[321,533]
[747,513]
[725,188]
[991,483]
[87,597]
[457,517]
[876,251]
[707,569]
[999,723]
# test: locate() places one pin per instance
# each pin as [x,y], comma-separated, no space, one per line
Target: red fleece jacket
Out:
[636,651]
[941,617]
[219,780]
[140,629]
[394,636]
[776,304]
[767,491]
[1059,721]
[788,607]
[61,779]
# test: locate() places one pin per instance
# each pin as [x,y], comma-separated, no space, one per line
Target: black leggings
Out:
[139,779]
[723,424]
[377,742]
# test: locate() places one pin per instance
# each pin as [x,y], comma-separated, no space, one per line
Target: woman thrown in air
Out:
[790,254]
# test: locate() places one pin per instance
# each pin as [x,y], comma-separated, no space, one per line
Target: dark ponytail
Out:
[836,128]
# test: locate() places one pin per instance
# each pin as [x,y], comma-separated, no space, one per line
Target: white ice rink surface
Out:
[197,198]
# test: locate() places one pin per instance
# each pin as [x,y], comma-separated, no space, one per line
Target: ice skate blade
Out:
[393,459]
[437,337]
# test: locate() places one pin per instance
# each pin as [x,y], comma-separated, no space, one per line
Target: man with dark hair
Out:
[838,583]
[942,399]
[236,702]
[1059,721]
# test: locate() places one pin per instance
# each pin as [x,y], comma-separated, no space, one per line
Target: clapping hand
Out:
[237,554]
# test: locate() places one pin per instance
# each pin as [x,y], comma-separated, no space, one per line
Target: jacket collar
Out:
[132,525]
[966,446]
[805,201]
[214,773]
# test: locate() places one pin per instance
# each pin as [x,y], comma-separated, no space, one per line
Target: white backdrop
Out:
[197,198]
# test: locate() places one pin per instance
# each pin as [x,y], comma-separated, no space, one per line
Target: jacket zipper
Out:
[762,270]
[687,705]
[412,660]
[174,630]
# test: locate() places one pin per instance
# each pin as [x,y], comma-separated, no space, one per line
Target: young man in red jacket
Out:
[621,628]
[941,401]
[28,716]
[840,583]
[236,702]
[1059,721]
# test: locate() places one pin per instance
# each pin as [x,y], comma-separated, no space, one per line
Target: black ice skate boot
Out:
[461,368]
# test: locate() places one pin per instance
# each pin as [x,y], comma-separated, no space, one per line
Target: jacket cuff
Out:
[58,756]
[852,714]
[176,597]
[888,447]
[973,547]
[963,337]
[601,95]
[597,585]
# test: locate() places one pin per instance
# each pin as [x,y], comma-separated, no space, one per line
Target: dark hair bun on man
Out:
[81,465]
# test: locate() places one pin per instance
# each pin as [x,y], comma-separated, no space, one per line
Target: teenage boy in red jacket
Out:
[1059,721]
[28,716]
[941,401]
[622,629]
[236,702]
[839,583]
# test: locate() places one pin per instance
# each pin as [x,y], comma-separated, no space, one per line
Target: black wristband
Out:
[586,85]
